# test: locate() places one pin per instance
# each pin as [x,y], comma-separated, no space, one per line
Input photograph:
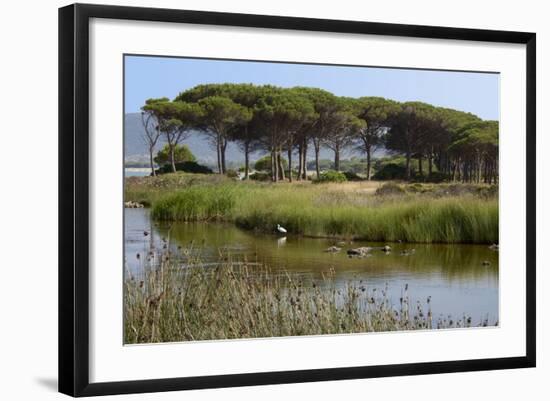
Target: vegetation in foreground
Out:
[426,213]
[233,300]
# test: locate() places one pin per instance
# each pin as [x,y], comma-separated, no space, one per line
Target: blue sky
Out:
[150,77]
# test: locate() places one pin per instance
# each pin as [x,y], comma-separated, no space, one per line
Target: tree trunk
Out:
[290,163]
[300,159]
[420,172]
[218,150]
[452,170]
[246,160]
[273,166]
[304,165]
[479,168]
[280,166]
[222,148]
[430,165]
[368,150]
[337,158]
[172,158]
[151,162]
[317,147]
[408,166]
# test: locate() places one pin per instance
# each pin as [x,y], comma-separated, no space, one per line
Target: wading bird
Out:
[281,229]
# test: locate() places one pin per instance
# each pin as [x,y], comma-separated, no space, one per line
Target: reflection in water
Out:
[461,279]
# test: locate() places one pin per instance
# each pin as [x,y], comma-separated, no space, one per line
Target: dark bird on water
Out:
[145,233]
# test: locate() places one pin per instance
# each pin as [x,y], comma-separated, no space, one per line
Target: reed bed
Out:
[233,300]
[147,190]
[336,211]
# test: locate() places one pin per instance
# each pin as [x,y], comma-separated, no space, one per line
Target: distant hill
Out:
[136,151]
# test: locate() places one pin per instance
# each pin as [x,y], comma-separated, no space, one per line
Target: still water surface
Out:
[455,276]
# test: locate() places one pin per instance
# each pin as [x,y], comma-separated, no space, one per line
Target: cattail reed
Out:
[230,300]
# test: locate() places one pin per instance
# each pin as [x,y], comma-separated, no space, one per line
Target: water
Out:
[453,275]
[137,172]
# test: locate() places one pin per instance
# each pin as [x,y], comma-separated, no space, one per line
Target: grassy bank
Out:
[147,190]
[230,301]
[411,213]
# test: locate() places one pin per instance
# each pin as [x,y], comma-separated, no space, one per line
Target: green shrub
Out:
[260,176]
[264,164]
[391,171]
[187,167]
[437,177]
[352,176]
[330,176]
[182,153]
[232,173]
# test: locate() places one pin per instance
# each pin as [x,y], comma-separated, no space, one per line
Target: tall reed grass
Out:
[234,300]
[312,210]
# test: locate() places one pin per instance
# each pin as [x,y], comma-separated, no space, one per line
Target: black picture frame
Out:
[74,200]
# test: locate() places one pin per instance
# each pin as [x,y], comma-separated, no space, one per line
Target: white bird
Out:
[281,229]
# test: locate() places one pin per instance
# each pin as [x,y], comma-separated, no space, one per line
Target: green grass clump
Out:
[147,190]
[330,176]
[197,203]
[235,300]
[437,220]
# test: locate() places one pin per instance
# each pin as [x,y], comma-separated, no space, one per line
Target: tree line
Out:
[295,120]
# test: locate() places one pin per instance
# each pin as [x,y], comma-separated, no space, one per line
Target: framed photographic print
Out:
[249,199]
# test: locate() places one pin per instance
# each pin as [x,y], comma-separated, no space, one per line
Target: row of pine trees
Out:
[294,121]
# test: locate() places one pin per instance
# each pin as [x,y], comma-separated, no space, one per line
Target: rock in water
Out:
[333,249]
[361,251]
[132,205]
